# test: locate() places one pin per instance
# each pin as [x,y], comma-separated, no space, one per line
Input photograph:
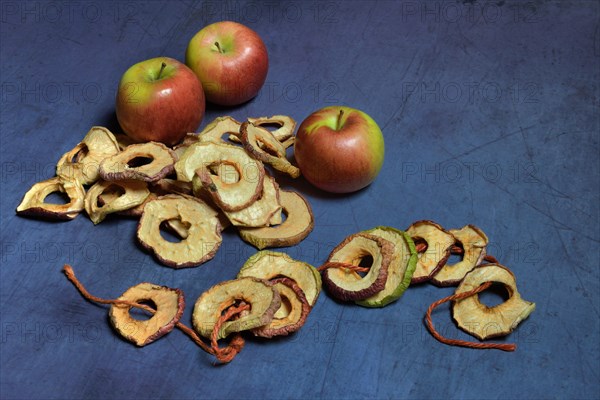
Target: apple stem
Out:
[218,47]
[339,121]
[162,67]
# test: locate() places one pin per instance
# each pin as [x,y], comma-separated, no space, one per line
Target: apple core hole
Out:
[271,126]
[139,161]
[110,192]
[421,244]
[456,255]
[285,309]
[57,198]
[80,154]
[365,262]
[171,235]
[495,295]
[142,315]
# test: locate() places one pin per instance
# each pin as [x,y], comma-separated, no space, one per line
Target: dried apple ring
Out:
[485,322]
[120,196]
[346,284]
[264,300]
[33,202]
[292,313]
[83,161]
[220,126]
[263,211]
[263,146]
[438,243]
[203,230]
[473,242]
[402,266]
[147,162]
[287,127]
[271,264]
[298,224]
[169,304]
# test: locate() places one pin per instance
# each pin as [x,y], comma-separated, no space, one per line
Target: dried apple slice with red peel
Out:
[33,203]
[473,242]
[120,196]
[203,230]
[169,305]
[346,284]
[264,301]
[485,322]
[147,162]
[438,243]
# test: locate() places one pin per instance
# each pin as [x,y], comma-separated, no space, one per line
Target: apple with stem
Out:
[339,149]
[159,100]
[230,60]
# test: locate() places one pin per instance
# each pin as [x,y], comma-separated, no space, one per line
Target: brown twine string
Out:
[224,354]
[464,343]
[352,267]
[456,250]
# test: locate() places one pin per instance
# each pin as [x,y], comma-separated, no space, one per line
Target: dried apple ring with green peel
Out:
[346,284]
[292,313]
[147,162]
[473,242]
[402,266]
[220,126]
[263,146]
[485,322]
[82,163]
[264,300]
[298,224]
[120,196]
[263,211]
[203,230]
[438,243]
[33,203]
[168,303]
[270,265]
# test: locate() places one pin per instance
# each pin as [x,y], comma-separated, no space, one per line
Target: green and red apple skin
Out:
[159,103]
[339,149]
[231,61]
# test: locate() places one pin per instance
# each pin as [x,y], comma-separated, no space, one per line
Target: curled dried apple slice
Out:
[170,186]
[472,242]
[124,141]
[168,303]
[345,284]
[134,212]
[259,293]
[298,224]
[148,162]
[33,203]
[220,126]
[270,265]
[437,243]
[117,196]
[203,230]
[263,146]
[402,266]
[285,132]
[485,322]
[83,161]
[263,211]
[292,312]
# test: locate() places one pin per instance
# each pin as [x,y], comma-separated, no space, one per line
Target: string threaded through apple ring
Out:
[352,267]
[458,342]
[223,354]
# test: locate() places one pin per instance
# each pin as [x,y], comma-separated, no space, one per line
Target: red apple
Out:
[339,149]
[230,60]
[161,100]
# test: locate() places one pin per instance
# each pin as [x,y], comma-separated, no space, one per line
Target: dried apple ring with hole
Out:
[287,127]
[270,265]
[485,322]
[263,212]
[437,242]
[33,203]
[298,224]
[264,300]
[168,303]
[83,161]
[220,126]
[147,162]
[203,230]
[292,313]
[472,242]
[402,266]
[118,196]
[263,146]
[347,285]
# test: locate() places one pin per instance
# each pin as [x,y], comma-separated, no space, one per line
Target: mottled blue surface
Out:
[490,112]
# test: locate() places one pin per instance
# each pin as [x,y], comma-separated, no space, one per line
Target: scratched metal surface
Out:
[490,116]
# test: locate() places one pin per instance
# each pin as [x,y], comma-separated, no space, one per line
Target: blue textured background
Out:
[490,116]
